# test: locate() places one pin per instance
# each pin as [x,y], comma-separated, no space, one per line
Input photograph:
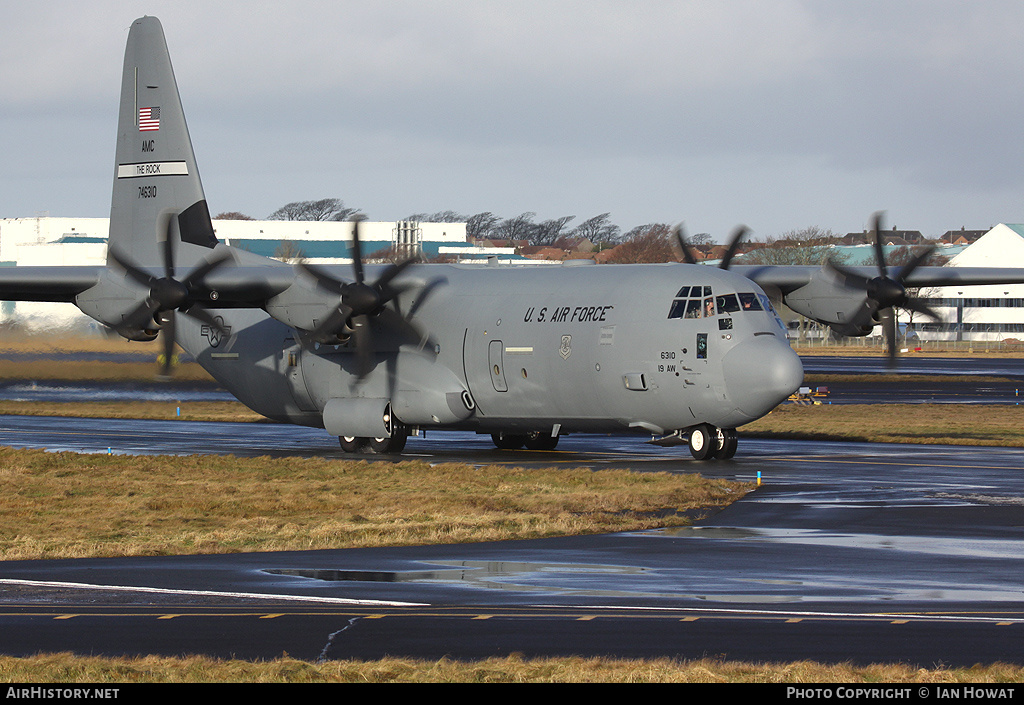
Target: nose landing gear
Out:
[710,443]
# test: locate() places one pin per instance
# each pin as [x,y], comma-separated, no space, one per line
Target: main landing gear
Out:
[534,440]
[708,442]
[376,446]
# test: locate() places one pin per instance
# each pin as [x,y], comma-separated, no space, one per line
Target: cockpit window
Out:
[749,302]
[693,302]
[728,303]
[678,308]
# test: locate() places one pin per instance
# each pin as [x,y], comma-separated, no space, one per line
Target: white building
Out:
[992,312]
[44,241]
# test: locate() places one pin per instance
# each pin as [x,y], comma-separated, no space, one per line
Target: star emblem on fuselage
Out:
[215,336]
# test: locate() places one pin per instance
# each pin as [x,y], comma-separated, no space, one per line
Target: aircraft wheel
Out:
[395,444]
[538,440]
[702,443]
[508,441]
[351,444]
[727,442]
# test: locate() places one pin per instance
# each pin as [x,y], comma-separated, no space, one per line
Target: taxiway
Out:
[859,552]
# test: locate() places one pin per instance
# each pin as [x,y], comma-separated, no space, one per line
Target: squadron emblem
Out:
[565,349]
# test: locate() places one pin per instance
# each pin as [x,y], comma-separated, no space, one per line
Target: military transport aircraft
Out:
[680,351]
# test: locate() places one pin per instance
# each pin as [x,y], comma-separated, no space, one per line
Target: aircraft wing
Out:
[58,284]
[788,279]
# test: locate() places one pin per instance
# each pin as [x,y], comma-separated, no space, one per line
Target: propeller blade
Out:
[364,345]
[389,274]
[167,334]
[888,319]
[406,328]
[916,261]
[324,279]
[130,269]
[203,269]
[919,306]
[140,317]
[331,325]
[684,246]
[879,250]
[357,250]
[169,251]
[203,316]
[850,277]
[734,244]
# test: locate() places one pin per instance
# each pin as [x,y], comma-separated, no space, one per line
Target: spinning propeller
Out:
[884,292]
[168,295]
[734,244]
[358,301]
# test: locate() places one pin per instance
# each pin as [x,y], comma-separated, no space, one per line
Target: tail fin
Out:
[158,195]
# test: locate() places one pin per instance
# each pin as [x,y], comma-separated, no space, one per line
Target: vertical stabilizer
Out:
[157,192]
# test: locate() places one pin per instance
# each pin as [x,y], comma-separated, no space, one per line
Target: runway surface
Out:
[860,552]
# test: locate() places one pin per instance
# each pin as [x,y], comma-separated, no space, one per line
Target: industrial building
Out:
[55,241]
[993,312]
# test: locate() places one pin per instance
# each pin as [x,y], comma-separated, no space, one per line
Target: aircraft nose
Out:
[760,373]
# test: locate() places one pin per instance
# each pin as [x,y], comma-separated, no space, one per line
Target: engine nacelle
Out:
[851,331]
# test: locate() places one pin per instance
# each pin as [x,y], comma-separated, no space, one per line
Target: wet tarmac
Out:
[847,551]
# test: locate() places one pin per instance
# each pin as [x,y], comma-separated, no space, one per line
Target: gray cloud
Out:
[778,114]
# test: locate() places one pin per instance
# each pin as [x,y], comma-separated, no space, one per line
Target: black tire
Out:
[538,440]
[702,442]
[508,441]
[728,442]
[395,444]
[351,444]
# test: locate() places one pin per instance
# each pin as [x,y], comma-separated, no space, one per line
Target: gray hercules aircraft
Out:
[684,352]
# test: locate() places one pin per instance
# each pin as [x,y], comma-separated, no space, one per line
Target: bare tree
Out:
[481,225]
[439,217]
[288,252]
[551,231]
[646,243]
[521,227]
[232,215]
[900,257]
[808,246]
[321,209]
[598,229]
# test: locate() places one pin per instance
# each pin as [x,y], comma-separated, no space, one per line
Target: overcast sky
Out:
[779,115]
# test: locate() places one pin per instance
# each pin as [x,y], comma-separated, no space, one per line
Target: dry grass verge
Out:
[67,668]
[65,505]
[951,424]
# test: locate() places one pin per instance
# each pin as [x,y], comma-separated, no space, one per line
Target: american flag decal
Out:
[149,119]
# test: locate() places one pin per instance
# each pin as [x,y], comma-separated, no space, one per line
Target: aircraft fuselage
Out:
[554,349]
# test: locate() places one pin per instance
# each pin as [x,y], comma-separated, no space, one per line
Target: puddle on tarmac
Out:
[932,545]
[469,571]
